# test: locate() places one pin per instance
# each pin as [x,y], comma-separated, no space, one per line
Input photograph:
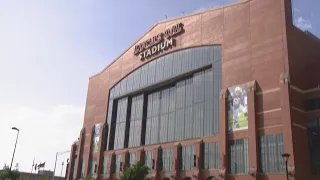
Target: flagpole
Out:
[55,164]
[32,167]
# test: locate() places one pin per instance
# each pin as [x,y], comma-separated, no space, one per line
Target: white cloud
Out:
[303,23]
[43,132]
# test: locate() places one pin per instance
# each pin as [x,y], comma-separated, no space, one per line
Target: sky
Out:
[50,48]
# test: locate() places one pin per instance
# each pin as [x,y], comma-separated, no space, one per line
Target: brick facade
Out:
[259,45]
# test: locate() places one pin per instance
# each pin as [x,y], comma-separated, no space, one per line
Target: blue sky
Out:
[49,49]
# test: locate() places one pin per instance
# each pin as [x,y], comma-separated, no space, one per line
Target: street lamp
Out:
[14,150]
[285,157]
[55,163]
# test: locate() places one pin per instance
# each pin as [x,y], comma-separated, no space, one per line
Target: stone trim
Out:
[299,126]
[304,91]
[269,111]
[268,91]
[284,78]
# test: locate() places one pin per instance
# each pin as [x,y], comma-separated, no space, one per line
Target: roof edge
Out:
[166,21]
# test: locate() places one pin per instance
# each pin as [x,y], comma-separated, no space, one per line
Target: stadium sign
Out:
[158,43]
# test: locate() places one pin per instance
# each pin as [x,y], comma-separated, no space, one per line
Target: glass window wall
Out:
[238,156]
[211,159]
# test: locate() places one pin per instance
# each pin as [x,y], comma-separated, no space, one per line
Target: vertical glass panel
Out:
[105,166]
[148,131]
[172,99]
[166,160]
[93,165]
[136,121]
[130,82]
[165,97]
[199,86]
[110,106]
[159,69]
[189,92]
[238,156]
[179,125]
[188,126]
[181,95]
[171,127]
[198,120]
[149,159]
[133,159]
[271,148]
[117,90]
[118,163]
[177,63]
[163,128]
[144,76]
[208,83]
[155,130]
[152,72]
[208,118]
[156,104]
[83,166]
[187,153]
[123,86]
[120,123]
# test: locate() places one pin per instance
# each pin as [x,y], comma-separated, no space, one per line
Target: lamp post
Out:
[15,145]
[61,168]
[55,163]
[285,157]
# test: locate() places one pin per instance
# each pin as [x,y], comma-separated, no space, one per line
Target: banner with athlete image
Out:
[96,137]
[237,108]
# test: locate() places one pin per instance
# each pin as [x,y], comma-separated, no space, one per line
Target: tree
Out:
[6,174]
[137,171]
[88,177]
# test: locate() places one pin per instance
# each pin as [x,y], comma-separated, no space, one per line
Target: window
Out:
[313,104]
[167,67]
[314,144]
[178,99]
[136,121]
[149,161]
[94,166]
[211,159]
[152,125]
[120,123]
[238,156]
[73,172]
[271,149]
[133,158]
[166,159]
[187,160]
[118,164]
[184,111]
[105,165]
[82,168]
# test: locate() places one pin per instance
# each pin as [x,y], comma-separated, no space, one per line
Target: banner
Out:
[96,137]
[237,108]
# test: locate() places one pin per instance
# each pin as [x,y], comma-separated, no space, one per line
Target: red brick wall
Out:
[253,35]
[252,38]
[304,59]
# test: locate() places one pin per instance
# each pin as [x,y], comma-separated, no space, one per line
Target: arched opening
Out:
[150,97]
[187,178]
[165,179]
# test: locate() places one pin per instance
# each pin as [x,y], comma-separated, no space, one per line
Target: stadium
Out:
[226,93]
